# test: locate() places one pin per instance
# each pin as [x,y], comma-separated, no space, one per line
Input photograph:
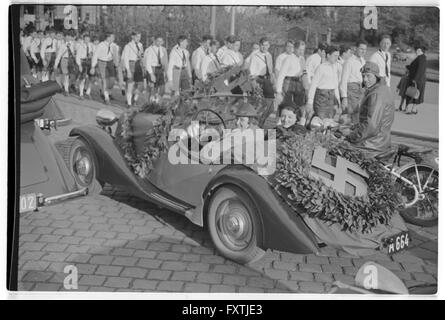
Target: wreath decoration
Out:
[156,137]
[304,193]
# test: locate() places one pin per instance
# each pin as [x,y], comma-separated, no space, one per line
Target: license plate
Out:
[28,202]
[398,242]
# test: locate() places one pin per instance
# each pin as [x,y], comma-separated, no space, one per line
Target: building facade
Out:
[43,16]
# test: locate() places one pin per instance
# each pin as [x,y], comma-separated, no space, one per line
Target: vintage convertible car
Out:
[244,215]
[44,178]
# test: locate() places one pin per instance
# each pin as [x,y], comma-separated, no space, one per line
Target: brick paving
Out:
[121,243]
[159,258]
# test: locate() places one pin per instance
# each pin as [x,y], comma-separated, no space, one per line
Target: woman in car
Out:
[289,120]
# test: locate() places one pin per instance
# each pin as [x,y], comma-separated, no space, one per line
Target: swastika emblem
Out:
[339,173]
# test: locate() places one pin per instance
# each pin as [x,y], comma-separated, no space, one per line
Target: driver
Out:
[376,115]
[246,117]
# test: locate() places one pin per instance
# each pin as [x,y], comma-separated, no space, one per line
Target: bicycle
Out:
[416,182]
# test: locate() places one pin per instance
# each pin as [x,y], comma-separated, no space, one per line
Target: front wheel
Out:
[425,211]
[234,225]
[83,166]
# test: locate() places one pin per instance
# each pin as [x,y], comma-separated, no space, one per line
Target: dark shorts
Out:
[294,91]
[159,76]
[37,65]
[50,58]
[324,103]
[181,79]
[137,72]
[86,65]
[266,86]
[106,69]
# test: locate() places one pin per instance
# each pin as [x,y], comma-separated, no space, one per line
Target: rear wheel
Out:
[234,225]
[83,165]
[425,211]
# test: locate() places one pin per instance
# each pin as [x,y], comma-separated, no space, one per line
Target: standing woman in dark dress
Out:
[417,76]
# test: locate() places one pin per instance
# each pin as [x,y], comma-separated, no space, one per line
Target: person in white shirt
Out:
[351,82]
[65,57]
[289,50]
[345,54]
[36,59]
[323,96]
[231,56]
[198,55]
[210,63]
[103,59]
[237,48]
[314,61]
[179,72]
[382,58]
[289,85]
[84,53]
[131,60]
[27,39]
[156,61]
[48,53]
[255,49]
[261,69]
[221,50]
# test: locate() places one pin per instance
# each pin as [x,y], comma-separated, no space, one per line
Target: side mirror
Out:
[105,118]
[373,276]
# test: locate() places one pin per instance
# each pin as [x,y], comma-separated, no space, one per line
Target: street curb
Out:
[406,134]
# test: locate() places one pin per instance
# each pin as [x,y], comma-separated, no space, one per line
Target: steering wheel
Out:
[195,118]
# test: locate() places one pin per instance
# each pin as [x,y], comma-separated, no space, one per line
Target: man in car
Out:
[373,132]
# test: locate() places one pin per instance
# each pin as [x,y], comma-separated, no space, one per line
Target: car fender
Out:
[113,169]
[283,228]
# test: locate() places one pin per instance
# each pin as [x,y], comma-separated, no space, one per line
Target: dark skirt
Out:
[403,84]
[137,72]
[266,86]
[324,103]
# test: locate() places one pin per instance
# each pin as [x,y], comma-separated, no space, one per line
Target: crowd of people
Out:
[329,86]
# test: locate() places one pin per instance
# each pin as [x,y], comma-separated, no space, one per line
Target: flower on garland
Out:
[311,196]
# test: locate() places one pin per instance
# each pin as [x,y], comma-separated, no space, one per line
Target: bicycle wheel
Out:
[425,211]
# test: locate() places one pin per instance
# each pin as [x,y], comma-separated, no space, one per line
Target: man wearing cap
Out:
[246,117]
[373,132]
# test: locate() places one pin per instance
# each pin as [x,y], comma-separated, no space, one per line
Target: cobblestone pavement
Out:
[121,243]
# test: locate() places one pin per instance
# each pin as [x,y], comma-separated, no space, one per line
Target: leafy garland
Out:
[156,140]
[300,190]
[156,137]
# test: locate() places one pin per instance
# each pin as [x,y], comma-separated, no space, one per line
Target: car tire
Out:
[82,163]
[234,225]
